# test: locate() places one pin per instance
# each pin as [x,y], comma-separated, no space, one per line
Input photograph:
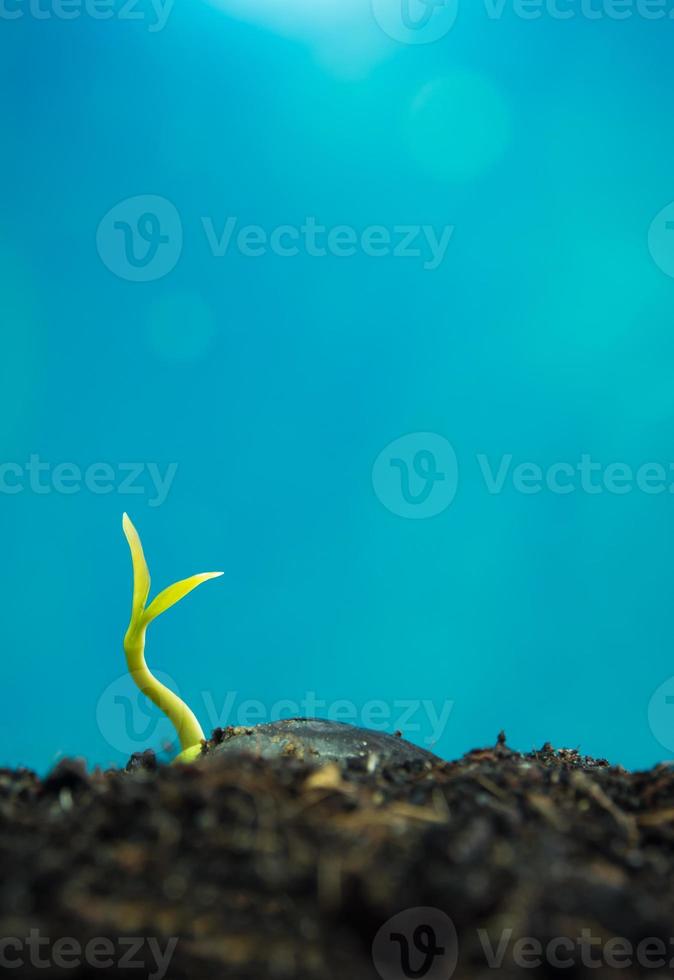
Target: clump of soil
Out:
[255,868]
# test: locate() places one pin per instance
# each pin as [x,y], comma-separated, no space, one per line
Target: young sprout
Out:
[188,728]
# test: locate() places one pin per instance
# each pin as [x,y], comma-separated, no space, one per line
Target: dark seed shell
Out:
[315,740]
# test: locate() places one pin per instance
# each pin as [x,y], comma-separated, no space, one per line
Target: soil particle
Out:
[279,868]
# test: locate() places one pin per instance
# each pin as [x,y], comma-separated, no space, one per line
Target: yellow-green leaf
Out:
[174,593]
[141,574]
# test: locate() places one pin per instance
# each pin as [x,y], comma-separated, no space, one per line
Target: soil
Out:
[255,868]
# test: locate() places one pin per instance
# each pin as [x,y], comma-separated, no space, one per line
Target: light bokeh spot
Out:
[458,126]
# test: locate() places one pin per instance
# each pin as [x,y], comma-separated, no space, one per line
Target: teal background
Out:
[274,383]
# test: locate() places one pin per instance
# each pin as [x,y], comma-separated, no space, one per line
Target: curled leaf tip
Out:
[141,575]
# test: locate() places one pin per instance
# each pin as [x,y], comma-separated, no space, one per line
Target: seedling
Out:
[188,728]
[318,741]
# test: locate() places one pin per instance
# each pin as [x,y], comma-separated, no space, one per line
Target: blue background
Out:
[275,382]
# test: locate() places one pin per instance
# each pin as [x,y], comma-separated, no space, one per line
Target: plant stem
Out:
[186,725]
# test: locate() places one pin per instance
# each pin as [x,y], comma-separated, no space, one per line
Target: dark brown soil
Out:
[274,868]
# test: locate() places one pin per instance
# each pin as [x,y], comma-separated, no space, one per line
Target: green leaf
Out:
[141,574]
[174,593]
